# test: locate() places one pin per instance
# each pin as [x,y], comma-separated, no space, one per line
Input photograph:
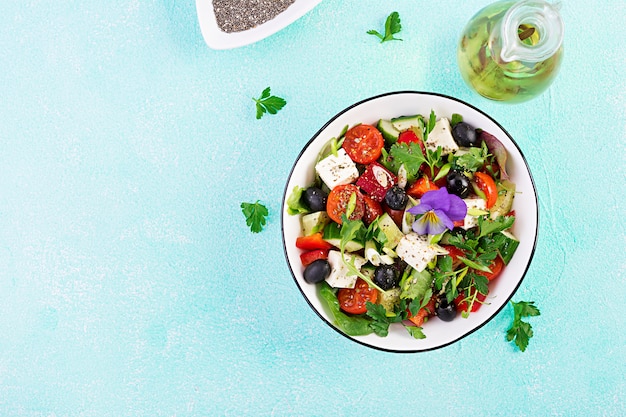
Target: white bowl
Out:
[217,39]
[386,106]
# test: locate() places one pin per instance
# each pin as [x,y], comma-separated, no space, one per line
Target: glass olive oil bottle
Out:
[512,50]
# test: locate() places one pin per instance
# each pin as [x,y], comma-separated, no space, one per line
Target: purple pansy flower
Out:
[439,210]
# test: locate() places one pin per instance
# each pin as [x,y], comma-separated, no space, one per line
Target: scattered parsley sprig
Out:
[255,215]
[268,103]
[392,27]
[521,331]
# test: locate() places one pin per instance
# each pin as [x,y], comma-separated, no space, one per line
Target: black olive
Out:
[396,198]
[400,266]
[315,198]
[458,184]
[386,276]
[465,135]
[317,271]
[459,232]
[445,311]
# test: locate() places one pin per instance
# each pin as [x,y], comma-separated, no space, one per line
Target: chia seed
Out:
[240,15]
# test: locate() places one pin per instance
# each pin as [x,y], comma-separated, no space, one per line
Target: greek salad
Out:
[408,219]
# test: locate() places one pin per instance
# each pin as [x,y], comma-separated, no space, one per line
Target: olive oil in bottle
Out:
[512,50]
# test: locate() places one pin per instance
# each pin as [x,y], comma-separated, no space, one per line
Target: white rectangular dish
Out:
[218,39]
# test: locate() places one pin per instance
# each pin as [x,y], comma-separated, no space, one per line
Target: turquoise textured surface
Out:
[130,284]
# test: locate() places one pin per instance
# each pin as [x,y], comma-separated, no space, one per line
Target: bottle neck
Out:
[530,31]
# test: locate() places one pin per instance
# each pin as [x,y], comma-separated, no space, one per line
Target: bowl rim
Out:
[286,193]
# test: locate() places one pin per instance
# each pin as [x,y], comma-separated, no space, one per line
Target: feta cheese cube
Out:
[337,170]
[441,135]
[338,277]
[417,251]
[473,203]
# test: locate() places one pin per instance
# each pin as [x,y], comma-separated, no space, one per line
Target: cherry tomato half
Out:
[338,199]
[354,300]
[396,215]
[462,302]
[363,144]
[491,167]
[496,267]
[488,186]
[454,253]
[409,136]
[421,186]
[373,210]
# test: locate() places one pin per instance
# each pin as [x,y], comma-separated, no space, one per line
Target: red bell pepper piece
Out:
[376,180]
[309,257]
[311,242]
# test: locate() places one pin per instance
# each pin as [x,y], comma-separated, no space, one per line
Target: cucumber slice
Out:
[504,202]
[408,218]
[406,122]
[391,231]
[351,246]
[332,235]
[508,247]
[314,222]
[389,299]
[389,132]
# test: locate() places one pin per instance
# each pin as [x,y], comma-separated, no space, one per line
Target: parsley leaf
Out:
[474,159]
[417,304]
[456,119]
[481,283]
[374,232]
[392,27]
[415,284]
[416,332]
[255,215]
[479,253]
[381,318]
[410,155]
[268,103]
[380,321]
[432,121]
[446,278]
[521,331]
[488,227]
[407,154]
[350,230]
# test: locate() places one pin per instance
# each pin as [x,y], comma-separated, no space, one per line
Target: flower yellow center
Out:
[430,217]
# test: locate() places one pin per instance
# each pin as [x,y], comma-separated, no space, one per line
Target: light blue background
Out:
[130,284]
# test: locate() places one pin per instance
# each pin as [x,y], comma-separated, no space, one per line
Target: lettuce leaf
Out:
[498,150]
[415,285]
[294,204]
[350,325]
